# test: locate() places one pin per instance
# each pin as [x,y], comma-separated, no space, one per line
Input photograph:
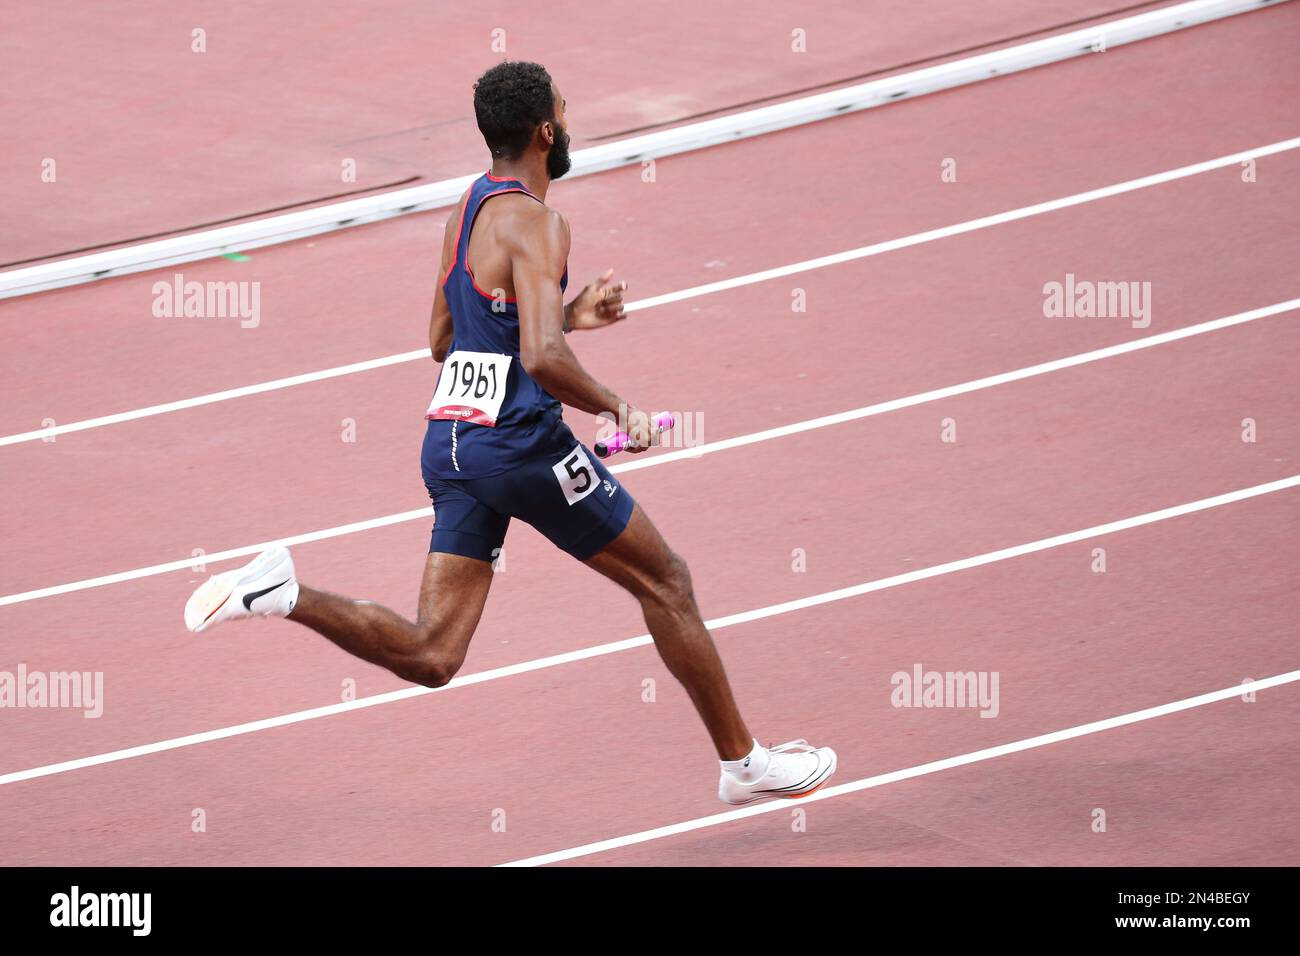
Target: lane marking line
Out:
[807,265]
[743,617]
[781,431]
[921,770]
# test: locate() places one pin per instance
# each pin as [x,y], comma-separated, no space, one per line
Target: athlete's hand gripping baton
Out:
[620,440]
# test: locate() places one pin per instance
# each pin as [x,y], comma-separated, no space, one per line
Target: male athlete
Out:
[496,448]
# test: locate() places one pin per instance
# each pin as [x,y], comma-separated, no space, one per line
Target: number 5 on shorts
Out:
[576,476]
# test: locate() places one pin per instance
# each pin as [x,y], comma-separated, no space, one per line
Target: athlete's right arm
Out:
[539,250]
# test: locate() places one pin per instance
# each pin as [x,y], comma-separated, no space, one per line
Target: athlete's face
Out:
[557,160]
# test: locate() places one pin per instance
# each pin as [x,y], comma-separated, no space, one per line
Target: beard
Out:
[558,160]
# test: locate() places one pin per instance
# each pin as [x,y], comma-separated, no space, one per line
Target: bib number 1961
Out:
[471,388]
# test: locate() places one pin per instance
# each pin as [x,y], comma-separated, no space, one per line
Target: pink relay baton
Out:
[619,440]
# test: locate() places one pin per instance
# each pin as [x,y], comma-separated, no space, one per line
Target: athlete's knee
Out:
[431,670]
[430,665]
[675,582]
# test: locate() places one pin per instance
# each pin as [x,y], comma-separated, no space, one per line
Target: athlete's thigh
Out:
[452,596]
[639,559]
[467,537]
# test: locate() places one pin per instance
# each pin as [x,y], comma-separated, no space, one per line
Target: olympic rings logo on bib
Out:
[471,388]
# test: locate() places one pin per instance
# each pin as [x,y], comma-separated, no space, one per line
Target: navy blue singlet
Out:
[488,415]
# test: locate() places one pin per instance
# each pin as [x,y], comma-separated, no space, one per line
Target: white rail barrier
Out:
[767,119]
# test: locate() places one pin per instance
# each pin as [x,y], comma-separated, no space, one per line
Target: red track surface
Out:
[1186,606]
[150,136]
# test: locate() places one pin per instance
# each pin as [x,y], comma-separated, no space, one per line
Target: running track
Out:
[1187,605]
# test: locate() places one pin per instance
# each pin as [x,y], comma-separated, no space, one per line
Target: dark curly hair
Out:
[510,101]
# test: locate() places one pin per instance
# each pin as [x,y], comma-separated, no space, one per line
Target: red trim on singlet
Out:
[474,283]
[508,179]
[455,250]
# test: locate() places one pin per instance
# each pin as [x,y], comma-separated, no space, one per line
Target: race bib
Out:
[576,476]
[471,388]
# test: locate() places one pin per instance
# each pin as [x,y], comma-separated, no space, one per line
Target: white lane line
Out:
[213,397]
[990,381]
[867,411]
[189,563]
[772,610]
[921,770]
[850,255]
[973,225]
[680,139]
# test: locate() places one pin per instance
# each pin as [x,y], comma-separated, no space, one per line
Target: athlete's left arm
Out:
[440,320]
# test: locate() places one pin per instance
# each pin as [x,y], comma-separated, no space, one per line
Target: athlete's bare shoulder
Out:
[534,230]
[529,213]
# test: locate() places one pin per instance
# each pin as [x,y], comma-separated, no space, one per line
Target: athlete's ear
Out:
[547,129]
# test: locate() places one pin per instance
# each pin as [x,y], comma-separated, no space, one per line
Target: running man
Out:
[496,448]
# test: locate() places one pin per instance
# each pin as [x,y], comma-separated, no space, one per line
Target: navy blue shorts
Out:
[563,491]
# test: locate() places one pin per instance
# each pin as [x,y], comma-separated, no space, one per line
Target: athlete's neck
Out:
[529,171]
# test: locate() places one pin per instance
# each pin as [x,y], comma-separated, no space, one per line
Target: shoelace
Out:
[792,746]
